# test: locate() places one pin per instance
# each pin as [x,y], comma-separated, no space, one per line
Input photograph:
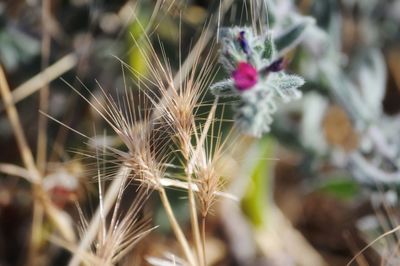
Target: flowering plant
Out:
[257,79]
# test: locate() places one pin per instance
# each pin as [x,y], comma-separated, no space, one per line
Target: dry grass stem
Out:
[41,147]
[41,153]
[24,149]
[40,80]
[393,231]
[55,215]
[176,228]
[15,170]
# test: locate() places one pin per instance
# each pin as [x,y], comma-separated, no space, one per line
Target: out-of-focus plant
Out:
[257,79]
[343,123]
[258,87]
[16,46]
[356,82]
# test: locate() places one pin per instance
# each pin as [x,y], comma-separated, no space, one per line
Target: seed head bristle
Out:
[117,238]
[175,99]
[205,163]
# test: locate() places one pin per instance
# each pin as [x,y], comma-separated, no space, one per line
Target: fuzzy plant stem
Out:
[176,228]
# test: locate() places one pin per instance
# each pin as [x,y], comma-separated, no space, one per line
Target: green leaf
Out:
[256,203]
[286,86]
[290,38]
[342,188]
[269,49]
[224,88]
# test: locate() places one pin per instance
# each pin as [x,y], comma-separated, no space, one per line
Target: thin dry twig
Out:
[55,215]
[394,230]
[49,74]
[24,149]
[41,150]
[176,228]
[41,147]
[15,170]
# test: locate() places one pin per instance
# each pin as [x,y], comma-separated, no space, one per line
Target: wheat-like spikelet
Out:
[118,235]
[146,155]
[116,240]
[179,105]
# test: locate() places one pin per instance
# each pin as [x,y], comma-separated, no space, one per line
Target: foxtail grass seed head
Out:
[118,232]
[256,78]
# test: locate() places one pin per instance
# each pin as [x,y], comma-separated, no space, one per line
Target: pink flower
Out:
[245,76]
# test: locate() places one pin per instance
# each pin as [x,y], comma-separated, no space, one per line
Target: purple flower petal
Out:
[245,76]
[243,42]
[276,66]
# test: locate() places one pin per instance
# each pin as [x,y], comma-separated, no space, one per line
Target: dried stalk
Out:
[44,94]
[41,147]
[15,170]
[193,218]
[36,232]
[203,238]
[176,228]
[52,72]
[28,160]
[168,182]
[12,114]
